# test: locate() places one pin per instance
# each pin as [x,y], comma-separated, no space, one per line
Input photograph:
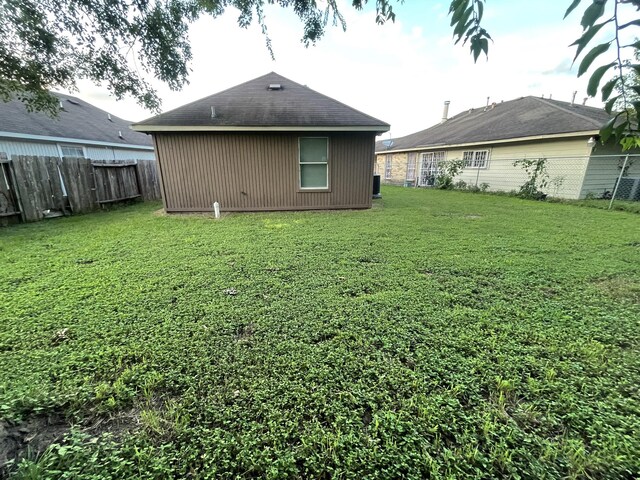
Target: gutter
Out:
[492,142]
[45,138]
[215,128]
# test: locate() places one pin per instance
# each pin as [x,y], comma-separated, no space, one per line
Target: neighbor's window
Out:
[72,151]
[411,166]
[314,165]
[387,167]
[476,158]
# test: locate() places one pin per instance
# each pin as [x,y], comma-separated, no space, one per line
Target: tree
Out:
[624,107]
[631,77]
[49,44]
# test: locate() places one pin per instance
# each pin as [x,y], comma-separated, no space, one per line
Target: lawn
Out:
[437,335]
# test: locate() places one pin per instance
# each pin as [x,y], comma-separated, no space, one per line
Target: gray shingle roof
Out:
[253,104]
[78,119]
[523,117]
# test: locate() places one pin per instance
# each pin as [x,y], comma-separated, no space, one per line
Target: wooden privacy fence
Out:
[32,188]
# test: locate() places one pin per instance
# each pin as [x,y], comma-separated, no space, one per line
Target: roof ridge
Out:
[566,110]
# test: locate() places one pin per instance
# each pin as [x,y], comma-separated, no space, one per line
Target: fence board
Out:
[78,180]
[25,186]
[57,198]
[149,181]
[115,182]
[8,204]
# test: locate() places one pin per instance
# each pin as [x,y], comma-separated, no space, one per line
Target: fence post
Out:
[615,190]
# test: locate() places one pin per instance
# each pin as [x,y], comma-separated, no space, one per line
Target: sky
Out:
[399,72]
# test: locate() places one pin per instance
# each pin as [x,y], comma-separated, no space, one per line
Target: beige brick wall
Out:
[398,168]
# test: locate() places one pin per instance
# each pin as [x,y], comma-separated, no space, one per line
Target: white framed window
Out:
[411,166]
[388,167]
[72,151]
[476,158]
[429,162]
[314,162]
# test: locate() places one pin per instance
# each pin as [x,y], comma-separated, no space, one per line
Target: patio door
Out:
[429,168]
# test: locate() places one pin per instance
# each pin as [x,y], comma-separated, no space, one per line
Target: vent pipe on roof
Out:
[213,111]
[573,99]
[550,96]
[120,133]
[109,117]
[445,111]
[486,107]
[61,105]
[584,102]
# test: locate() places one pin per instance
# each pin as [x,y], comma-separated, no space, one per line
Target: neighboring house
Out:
[267,144]
[80,130]
[490,139]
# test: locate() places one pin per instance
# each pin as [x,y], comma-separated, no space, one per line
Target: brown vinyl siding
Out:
[260,171]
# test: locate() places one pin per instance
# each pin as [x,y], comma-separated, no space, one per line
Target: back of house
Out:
[267,144]
[495,142]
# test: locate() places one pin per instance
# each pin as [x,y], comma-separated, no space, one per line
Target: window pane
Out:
[313,176]
[313,150]
[72,151]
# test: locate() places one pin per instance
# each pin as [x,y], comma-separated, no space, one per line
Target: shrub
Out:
[536,169]
[447,171]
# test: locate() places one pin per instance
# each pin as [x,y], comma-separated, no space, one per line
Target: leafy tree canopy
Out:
[49,44]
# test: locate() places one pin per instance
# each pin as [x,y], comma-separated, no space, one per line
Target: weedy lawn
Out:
[440,334]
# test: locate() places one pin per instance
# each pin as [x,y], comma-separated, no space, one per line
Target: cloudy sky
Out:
[399,72]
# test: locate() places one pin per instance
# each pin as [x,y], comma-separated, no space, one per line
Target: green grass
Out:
[622,205]
[440,334]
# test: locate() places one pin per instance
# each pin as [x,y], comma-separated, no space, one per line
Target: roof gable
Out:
[521,118]
[253,105]
[76,120]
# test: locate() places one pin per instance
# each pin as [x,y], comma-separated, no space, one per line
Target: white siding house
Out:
[80,130]
[491,139]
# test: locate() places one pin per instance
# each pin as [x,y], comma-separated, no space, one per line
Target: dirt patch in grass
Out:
[620,287]
[30,437]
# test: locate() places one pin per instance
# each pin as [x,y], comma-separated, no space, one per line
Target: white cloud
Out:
[399,73]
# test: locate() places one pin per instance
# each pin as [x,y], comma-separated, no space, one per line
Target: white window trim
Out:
[475,153]
[388,167]
[437,156]
[59,146]
[70,145]
[312,189]
[411,167]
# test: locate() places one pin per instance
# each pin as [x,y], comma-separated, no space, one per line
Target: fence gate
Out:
[116,182]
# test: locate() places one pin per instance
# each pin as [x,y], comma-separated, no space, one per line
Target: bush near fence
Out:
[32,187]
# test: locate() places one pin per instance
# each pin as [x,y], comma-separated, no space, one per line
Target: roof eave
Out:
[256,128]
[84,141]
[493,142]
